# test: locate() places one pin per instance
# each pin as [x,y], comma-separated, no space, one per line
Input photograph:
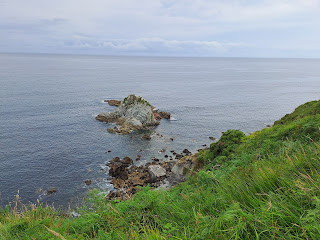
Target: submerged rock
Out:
[52,191]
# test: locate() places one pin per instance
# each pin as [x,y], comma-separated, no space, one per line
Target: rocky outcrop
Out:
[134,113]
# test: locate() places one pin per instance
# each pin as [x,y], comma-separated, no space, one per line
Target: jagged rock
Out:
[113,102]
[156,171]
[165,115]
[138,179]
[118,182]
[126,161]
[134,113]
[119,170]
[157,116]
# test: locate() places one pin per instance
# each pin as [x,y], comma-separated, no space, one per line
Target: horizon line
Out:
[142,55]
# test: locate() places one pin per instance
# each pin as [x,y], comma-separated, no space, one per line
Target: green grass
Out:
[268,187]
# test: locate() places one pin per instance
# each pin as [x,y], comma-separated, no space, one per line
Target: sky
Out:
[201,28]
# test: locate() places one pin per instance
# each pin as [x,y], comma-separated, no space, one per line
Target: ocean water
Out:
[49,136]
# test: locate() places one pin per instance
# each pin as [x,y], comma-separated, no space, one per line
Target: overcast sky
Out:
[224,28]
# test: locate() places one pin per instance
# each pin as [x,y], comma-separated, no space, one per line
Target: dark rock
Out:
[186,151]
[113,161]
[165,115]
[178,156]
[52,191]
[88,182]
[155,159]
[268,126]
[171,139]
[118,170]
[212,138]
[126,161]
[147,137]
[166,156]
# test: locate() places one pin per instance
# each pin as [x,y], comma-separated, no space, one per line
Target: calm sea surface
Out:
[50,138]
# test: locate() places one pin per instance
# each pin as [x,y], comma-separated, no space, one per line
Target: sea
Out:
[49,137]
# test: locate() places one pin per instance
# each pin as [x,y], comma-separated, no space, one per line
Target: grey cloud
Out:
[153,45]
[159,27]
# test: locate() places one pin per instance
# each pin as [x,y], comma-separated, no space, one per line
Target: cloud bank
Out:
[162,27]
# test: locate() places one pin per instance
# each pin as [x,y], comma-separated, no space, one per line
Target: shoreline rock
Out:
[126,177]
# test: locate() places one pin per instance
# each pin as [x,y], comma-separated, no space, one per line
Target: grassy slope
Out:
[268,187]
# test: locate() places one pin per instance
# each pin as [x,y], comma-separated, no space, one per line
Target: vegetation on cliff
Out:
[267,186]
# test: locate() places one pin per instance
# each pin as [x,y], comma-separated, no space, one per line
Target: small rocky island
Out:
[133,113]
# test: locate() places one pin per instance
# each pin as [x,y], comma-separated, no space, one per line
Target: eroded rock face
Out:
[134,113]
